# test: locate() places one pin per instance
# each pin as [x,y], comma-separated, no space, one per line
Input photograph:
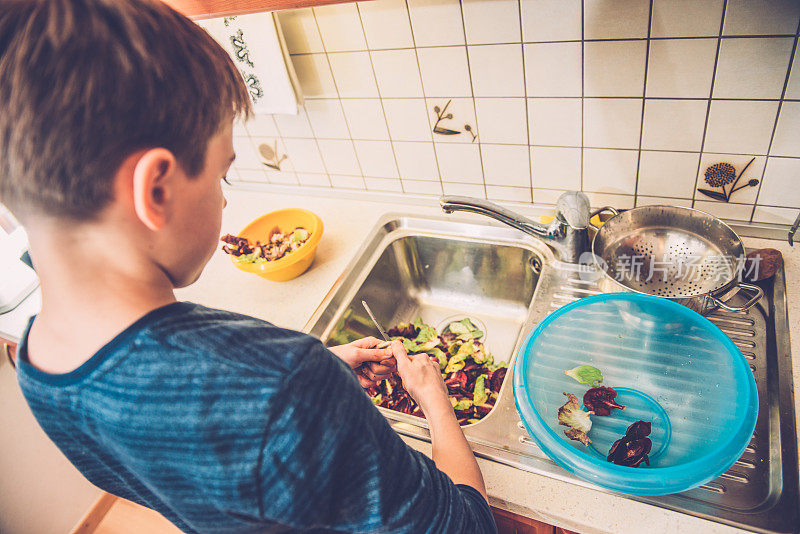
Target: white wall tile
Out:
[769,214]
[496,70]
[314,76]
[469,190]
[551,20]
[463,115]
[674,124]
[553,69]
[353,74]
[793,89]
[271,153]
[397,73]
[509,194]
[739,161]
[253,175]
[407,119]
[294,125]
[781,185]
[609,171]
[612,122]
[725,210]
[313,180]
[598,200]
[555,121]
[436,22]
[246,155]
[660,201]
[445,72]
[761,17]
[556,167]
[347,182]
[339,156]
[376,158]
[740,127]
[282,177]
[305,155]
[340,27]
[502,120]
[668,174]
[752,67]
[386,24]
[365,118]
[416,161]
[787,133]
[614,68]
[383,184]
[459,163]
[239,129]
[681,68]
[327,119]
[418,187]
[491,22]
[615,19]
[262,126]
[547,196]
[506,165]
[686,18]
[300,31]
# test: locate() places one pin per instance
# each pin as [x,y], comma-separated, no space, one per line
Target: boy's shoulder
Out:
[210,336]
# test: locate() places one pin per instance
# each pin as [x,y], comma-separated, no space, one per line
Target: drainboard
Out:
[438,267]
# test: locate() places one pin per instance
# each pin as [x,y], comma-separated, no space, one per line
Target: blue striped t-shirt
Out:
[227,424]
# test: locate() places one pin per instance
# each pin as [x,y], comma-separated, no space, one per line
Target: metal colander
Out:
[676,253]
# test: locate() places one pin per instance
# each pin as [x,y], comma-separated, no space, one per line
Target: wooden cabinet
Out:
[510,523]
[205,9]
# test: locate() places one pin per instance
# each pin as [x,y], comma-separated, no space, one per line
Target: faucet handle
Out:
[573,209]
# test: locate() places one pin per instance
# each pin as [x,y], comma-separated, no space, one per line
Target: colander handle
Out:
[747,305]
[601,210]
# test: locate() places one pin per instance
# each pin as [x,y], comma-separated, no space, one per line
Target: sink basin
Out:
[444,268]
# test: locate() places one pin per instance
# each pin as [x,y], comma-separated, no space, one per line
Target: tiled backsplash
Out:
[630,101]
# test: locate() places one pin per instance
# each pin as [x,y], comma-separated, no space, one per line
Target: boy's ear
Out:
[152,184]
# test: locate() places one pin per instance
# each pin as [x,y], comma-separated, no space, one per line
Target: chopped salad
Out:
[472,377]
[277,245]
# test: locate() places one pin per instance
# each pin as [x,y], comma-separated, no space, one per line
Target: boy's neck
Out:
[93,287]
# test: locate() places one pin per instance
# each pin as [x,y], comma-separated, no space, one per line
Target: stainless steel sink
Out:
[443,268]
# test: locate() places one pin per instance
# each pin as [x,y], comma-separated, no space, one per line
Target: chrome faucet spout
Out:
[568,232]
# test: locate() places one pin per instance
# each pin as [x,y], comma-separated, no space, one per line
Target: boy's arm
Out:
[331,460]
[451,452]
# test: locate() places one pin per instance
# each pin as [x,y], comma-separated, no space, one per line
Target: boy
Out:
[115,132]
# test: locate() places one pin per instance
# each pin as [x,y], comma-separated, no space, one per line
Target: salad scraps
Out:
[472,377]
[278,245]
[632,448]
[586,374]
[600,400]
[578,421]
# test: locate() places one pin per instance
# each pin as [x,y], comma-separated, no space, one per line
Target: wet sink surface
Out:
[443,269]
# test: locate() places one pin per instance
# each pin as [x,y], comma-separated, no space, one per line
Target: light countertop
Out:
[291,304]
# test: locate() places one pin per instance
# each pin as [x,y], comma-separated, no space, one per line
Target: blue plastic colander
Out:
[670,366]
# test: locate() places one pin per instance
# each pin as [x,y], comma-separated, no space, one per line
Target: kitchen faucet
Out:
[568,233]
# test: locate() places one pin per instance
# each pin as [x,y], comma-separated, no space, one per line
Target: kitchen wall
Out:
[630,101]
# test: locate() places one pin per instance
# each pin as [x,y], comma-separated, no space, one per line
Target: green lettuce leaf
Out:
[586,374]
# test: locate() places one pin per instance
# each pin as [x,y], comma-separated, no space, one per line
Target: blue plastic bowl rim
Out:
[638,481]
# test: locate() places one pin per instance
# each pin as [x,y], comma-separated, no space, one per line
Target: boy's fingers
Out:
[366,342]
[400,354]
[365,382]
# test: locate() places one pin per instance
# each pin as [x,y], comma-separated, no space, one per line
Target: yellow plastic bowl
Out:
[293,264]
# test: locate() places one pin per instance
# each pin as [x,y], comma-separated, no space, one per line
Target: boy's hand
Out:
[422,378]
[372,365]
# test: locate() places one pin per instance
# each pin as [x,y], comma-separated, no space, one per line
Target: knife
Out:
[375,321]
